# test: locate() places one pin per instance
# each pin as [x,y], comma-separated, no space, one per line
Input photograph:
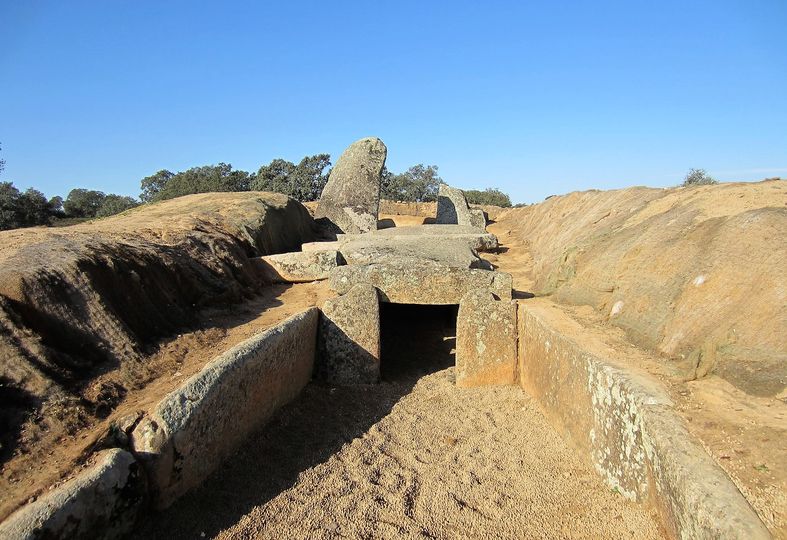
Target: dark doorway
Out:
[416,340]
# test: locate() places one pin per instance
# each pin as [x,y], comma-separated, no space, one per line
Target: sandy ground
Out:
[412,457]
[743,433]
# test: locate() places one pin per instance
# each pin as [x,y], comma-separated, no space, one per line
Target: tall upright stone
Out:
[452,208]
[351,198]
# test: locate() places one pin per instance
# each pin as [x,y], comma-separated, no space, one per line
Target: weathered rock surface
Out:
[198,425]
[626,423]
[351,198]
[485,340]
[349,338]
[100,502]
[454,252]
[300,266]
[420,281]
[477,218]
[452,208]
[476,239]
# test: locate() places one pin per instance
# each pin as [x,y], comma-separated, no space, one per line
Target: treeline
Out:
[30,207]
[303,181]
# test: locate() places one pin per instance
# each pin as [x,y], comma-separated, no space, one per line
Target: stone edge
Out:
[625,423]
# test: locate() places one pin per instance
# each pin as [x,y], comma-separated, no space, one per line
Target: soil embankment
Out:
[84,311]
[689,284]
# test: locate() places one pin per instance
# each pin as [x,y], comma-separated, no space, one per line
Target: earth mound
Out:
[82,306]
[695,274]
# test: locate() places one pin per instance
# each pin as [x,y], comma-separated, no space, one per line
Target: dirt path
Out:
[413,457]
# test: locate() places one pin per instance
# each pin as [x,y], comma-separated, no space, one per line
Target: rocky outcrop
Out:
[486,340]
[419,281]
[349,338]
[351,198]
[299,266]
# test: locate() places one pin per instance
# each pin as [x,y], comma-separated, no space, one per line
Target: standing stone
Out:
[351,198]
[452,208]
[349,338]
[486,335]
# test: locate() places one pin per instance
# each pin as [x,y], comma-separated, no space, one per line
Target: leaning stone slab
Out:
[300,266]
[626,423]
[100,502]
[486,350]
[419,281]
[197,426]
[351,198]
[452,207]
[321,246]
[349,338]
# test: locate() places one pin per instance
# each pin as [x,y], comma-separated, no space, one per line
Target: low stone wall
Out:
[398,208]
[198,425]
[100,502]
[625,422]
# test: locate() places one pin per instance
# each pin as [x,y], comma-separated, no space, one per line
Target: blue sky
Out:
[535,98]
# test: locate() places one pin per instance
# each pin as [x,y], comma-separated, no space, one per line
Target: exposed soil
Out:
[102,318]
[412,457]
[738,414]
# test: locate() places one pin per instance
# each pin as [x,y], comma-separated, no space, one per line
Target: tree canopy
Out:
[698,177]
[26,209]
[208,178]
[304,181]
[492,196]
[417,184]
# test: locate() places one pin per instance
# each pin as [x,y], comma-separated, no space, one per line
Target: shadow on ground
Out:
[416,341]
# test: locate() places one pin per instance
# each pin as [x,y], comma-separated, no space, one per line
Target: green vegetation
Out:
[698,177]
[303,182]
[417,184]
[491,196]
[209,178]
[26,209]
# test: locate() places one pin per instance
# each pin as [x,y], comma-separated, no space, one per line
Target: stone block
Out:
[420,281]
[486,346]
[300,266]
[349,338]
[100,502]
[198,425]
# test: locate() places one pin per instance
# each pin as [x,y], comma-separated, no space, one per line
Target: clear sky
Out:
[535,98]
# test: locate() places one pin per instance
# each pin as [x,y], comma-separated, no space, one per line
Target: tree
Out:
[114,204]
[25,209]
[34,209]
[303,182]
[208,178]
[9,206]
[152,185]
[491,196]
[2,162]
[417,184]
[83,203]
[698,177]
